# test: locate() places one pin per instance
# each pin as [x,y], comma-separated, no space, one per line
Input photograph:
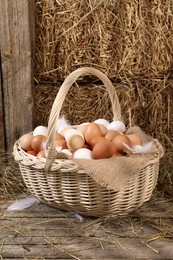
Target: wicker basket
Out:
[63,184]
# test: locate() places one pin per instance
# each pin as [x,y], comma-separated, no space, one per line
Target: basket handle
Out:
[58,102]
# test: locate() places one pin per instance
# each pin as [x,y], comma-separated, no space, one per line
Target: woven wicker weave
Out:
[62,184]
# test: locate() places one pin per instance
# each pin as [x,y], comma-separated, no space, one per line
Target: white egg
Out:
[102,121]
[67,152]
[40,130]
[117,125]
[86,123]
[61,128]
[83,153]
[71,132]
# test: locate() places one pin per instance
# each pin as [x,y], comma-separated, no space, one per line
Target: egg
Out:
[115,154]
[119,142]
[40,130]
[70,132]
[117,125]
[61,143]
[37,142]
[82,128]
[111,134]
[62,130]
[86,146]
[134,139]
[83,153]
[92,130]
[95,140]
[67,152]
[85,123]
[103,149]
[32,152]
[75,142]
[102,121]
[58,136]
[41,154]
[25,141]
[103,129]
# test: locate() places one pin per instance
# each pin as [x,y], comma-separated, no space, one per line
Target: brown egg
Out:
[115,154]
[58,136]
[119,141]
[82,129]
[86,146]
[75,142]
[61,143]
[37,142]
[92,130]
[31,152]
[95,140]
[134,139]
[111,134]
[41,154]
[25,141]
[103,129]
[103,149]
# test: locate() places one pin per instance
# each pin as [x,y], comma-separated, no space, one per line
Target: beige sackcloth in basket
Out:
[90,187]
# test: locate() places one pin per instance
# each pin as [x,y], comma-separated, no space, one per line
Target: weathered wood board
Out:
[41,232]
[16,62]
[2,139]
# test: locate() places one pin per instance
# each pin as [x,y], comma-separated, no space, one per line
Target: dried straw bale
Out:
[122,38]
[83,103]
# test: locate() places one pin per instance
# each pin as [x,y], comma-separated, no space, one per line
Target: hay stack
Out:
[121,38]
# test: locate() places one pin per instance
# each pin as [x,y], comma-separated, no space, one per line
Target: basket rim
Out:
[39,163]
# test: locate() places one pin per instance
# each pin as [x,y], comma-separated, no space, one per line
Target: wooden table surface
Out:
[42,232]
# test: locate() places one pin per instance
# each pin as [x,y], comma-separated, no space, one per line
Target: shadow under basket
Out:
[63,184]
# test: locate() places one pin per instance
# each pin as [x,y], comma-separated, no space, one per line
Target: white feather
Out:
[62,123]
[23,203]
[129,148]
[79,217]
[145,148]
[58,148]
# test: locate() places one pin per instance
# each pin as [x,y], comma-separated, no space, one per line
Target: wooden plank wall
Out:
[2,136]
[16,62]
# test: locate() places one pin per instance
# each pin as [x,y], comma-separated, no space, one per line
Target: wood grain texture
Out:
[16,59]
[2,139]
[43,232]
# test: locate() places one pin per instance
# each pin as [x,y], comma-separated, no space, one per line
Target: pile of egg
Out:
[92,140]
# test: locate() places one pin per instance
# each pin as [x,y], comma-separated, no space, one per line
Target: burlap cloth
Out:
[115,173]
